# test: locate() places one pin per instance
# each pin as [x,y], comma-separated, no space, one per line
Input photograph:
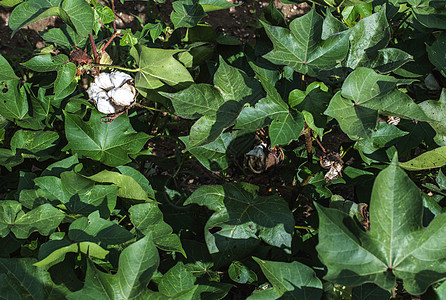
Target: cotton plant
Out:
[112,93]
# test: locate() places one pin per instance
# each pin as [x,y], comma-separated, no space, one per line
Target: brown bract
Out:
[80,57]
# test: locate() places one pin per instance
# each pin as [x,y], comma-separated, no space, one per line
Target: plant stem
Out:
[320,145]
[115,34]
[150,108]
[93,48]
[305,227]
[116,67]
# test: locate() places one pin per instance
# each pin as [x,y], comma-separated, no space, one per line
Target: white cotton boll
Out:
[121,96]
[105,106]
[103,81]
[93,91]
[119,78]
[129,87]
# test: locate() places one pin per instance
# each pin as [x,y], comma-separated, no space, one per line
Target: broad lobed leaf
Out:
[397,246]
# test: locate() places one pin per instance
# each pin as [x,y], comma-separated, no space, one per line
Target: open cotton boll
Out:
[104,105]
[121,96]
[93,91]
[119,78]
[103,81]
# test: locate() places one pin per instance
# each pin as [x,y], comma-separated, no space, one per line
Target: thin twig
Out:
[320,145]
[93,47]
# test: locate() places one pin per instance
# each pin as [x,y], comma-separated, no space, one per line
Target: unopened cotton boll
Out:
[121,96]
[119,78]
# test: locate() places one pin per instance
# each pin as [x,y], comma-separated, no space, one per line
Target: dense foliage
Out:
[304,165]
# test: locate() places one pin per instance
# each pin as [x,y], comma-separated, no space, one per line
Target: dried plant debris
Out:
[390,120]
[80,58]
[262,157]
[112,93]
[334,163]
[393,120]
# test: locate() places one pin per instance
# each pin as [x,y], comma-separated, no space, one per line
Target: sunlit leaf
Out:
[109,143]
[397,245]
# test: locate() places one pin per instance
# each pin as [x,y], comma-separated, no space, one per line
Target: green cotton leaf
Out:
[46,62]
[240,273]
[44,219]
[109,143]
[157,68]
[331,26]
[384,135]
[190,294]
[14,103]
[265,71]
[196,101]
[206,130]
[21,280]
[285,129]
[65,76]
[390,59]
[148,218]
[242,218]
[8,212]
[137,264]
[302,47]
[273,16]
[139,178]
[213,156]
[78,194]
[355,121]
[91,249]
[265,111]
[440,291]
[365,93]
[428,160]
[10,3]
[430,13]
[34,144]
[235,85]
[63,36]
[397,245]
[216,107]
[290,280]
[339,3]
[366,37]
[186,13]
[76,13]
[369,291]
[128,39]
[9,158]
[58,167]
[128,187]
[177,280]
[436,53]
[218,290]
[104,12]
[436,110]
[6,71]
[98,230]
[212,5]
[314,102]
